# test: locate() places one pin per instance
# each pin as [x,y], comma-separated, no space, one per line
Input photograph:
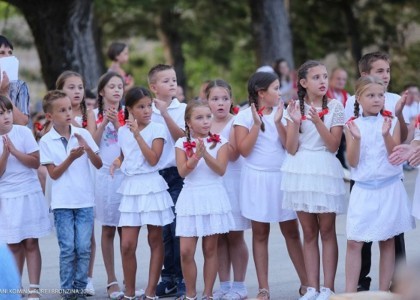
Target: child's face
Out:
[338,80]
[316,81]
[200,121]
[61,112]
[271,97]
[382,70]
[5,51]
[6,120]
[113,90]
[73,87]
[372,99]
[122,58]
[142,111]
[219,102]
[165,84]
[90,103]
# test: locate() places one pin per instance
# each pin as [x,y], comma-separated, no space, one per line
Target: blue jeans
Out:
[74,230]
[172,260]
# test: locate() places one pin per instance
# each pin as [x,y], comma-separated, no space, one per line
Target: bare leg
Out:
[353,265]
[329,248]
[239,254]
[210,263]
[223,258]
[129,262]
[260,234]
[189,267]
[155,240]
[107,246]
[386,263]
[33,261]
[18,252]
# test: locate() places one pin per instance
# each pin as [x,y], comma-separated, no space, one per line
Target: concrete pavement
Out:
[283,280]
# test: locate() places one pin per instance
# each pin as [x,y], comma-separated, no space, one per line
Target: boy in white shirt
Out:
[66,151]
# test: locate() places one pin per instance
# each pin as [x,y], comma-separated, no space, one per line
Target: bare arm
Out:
[30,160]
[390,140]
[352,135]
[245,138]
[233,150]
[91,122]
[152,154]
[218,164]
[55,172]
[185,165]
[19,118]
[3,159]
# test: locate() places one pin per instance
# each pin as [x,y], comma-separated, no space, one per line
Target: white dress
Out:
[107,200]
[145,200]
[313,177]
[232,180]
[23,208]
[260,194]
[203,207]
[378,206]
[416,199]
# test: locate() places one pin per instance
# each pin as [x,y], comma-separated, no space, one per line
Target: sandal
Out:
[206,297]
[34,290]
[263,294]
[145,297]
[302,290]
[117,295]
[233,295]
[130,298]
[183,297]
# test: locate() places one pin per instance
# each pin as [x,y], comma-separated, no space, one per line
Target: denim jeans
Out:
[172,260]
[74,230]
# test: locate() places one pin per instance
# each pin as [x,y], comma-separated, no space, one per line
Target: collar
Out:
[56,136]
[174,104]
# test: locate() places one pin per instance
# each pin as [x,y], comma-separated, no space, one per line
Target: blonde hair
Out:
[362,84]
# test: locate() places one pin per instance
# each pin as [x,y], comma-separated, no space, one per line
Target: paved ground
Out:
[283,279]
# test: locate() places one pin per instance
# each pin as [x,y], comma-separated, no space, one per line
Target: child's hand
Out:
[414,159]
[354,130]
[401,103]
[75,153]
[279,113]
[400,154]
[6,151]
[313,115]
[201,149]
[112,116]
[4,84]
[116,164]
[161,105]
[294,111]
[9,144]
[255,116]
[133,126]
[82,142]
[386,126]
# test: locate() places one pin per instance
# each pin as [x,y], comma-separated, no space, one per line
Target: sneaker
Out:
[324,294]
[180,286]
[364,284]
[311,294]
[90,290]
[166,289]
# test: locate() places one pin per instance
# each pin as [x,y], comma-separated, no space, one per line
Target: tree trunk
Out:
[270,26]
[66,38]
[354,34]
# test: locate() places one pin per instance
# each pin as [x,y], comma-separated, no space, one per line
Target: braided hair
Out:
[103,81]
[259,81]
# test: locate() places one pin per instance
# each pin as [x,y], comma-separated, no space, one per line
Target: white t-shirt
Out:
[410,112]
[19,180]
[268,152]
[134,161]
[176,111]
[75,187]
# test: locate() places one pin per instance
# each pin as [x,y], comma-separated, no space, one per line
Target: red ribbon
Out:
[351,119]
[235,109]
[260,111]
[121,118]
[387,113]
[38,126]
[188,146]
[320,114]
[214,138]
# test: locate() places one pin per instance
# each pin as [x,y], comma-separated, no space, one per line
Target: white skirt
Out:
[260,196]
[202,211]
[313,182]
[232,181]
[24,217]
[145,201]
[416,199]
[378,214]
[107,200]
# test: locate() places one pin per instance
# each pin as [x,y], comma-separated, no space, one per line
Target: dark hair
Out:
[360,87]
[276,66]
[50,97]
[302,73]
[259,81]
[134,95]
[5,103]
[5,42]
[151,76]
[90,94]
[103,81]
[222,84]
[115,49]
[365,63]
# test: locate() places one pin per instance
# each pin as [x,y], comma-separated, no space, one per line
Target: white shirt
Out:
[75,187]
[176,111]
[19,180]
[134,161]
[410,112]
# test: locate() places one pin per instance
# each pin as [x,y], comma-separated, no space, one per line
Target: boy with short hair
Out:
[168,111]
[66,152]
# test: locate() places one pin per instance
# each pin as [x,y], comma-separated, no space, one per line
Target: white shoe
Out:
[311,294]
[347,175]
[90,290]
[325,294]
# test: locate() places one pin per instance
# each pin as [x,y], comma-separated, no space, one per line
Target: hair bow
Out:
[387,113]
[260,111]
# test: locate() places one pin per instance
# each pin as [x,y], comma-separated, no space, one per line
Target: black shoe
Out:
[166,289]
[364,284]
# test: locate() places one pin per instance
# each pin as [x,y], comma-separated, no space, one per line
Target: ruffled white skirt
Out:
[313,182]
[107,200]
[24,217]
[145,201]
[261,198]
[378,214]
[203,211]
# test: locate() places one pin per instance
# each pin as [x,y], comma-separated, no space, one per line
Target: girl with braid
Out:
[260,137]
[378,206]
[203,208]
[313,184]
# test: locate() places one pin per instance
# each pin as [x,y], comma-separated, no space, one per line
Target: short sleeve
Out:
[338,114]
[242,119]
[45,152]
[159,132]
[30,143]
[179,143]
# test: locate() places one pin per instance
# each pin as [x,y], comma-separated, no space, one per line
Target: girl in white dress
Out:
[378,206]
[232,249]
[145,200]
[260,136]
[109,118]
[23,209]
[203,208]
[313,182]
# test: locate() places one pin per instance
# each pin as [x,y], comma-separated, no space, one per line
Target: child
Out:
[203,208]
[378,64]
[23,210]
[118,54]
[110,117]
[168,111]
[66,151]
[145,200]
[232,248]
[313,183]
[260,135]
[378,190]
